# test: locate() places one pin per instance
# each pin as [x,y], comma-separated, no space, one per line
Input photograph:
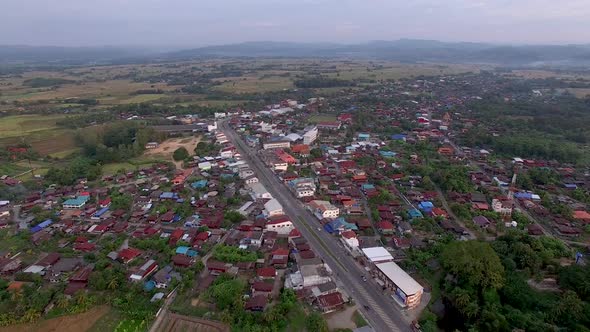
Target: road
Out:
[163,312]
[382,313]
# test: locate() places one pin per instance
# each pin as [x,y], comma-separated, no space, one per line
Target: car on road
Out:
[364,279]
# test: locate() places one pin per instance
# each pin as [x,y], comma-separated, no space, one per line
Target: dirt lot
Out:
[165,150]
[341,319]
[178,323]
[75,323]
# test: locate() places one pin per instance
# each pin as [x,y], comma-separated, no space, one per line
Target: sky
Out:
[182,23]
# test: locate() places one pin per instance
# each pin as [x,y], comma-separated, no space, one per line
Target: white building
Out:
[350,240]
[324,209]
[273,208]
[281,225]
[277,144]
[310,136]
[406,291]
[258,191]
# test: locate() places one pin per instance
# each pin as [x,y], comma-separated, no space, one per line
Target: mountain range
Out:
[405,50]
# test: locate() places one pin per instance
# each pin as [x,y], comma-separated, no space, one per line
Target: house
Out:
[261,288]
[280,224]
[582,216]
[216,268]
[163,277]
[277,143]
[323,209]
[266,273]
[385,227]
[78,281]
[350,239]
[481,221]
[273,208]
[257,303]
[534,229]
[330,302]
[144,271]
[128,254]
[182,260]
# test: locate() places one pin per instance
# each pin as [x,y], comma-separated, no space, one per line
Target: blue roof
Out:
[77,201]
[149,285]
[226,176]
[199,184]
[415,213]
[41,225]
[398,136]
[191,253]
[168,195]
[183,250]
[101,212]
[364,135]
[426,206]
[368,186]
[340,223]
[387,153]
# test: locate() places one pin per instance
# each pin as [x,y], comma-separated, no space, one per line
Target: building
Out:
[302,187]
[310,136]
[273,208]
[144,271]
[323,209]
[258,191]
[349,238]
[406,291]
[280,224]
[151,145]
[75,203]
[277,143]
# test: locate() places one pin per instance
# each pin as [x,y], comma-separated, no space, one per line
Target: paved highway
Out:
[379,309]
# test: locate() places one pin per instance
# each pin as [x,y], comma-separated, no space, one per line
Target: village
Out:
[382,184]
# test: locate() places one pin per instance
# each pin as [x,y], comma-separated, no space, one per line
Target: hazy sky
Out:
[206,22]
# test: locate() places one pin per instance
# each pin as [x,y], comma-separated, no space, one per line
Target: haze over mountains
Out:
[405,50]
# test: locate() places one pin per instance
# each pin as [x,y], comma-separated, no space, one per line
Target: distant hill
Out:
[22,54]
[406,50]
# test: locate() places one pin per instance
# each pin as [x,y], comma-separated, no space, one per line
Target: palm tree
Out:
[113,283]
[62,301]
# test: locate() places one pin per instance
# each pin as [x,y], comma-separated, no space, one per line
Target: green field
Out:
[251,84]
[19,125]
[322,118]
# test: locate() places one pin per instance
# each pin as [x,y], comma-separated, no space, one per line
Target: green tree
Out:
[180,154]
[315,322]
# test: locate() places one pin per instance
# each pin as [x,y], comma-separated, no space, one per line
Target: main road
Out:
[378,307]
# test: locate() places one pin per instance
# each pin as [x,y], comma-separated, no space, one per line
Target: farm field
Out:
[18,125]
[580,92]
[250,84]
[73,323]
[179,323]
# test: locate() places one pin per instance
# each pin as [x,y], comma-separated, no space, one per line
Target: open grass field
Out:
[73,323]
[394,71]
[322,118]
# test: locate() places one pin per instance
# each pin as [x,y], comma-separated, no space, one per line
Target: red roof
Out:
[128,254]
[84,246]
[348,234]
[330,300]
[281,252]
[385,225]
[307,254]
[266,272]
[261,286]
[295,233]
[583,215]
